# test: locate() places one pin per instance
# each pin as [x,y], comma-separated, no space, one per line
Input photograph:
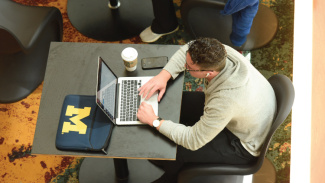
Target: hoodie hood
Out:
[234,75]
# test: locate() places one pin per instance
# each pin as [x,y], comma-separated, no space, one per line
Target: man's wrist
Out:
[152,120]
[165,74]
[157,122]
[160,124]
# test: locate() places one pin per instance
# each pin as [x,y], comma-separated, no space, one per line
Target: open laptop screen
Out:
[106,89]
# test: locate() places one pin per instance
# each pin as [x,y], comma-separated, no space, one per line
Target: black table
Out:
[95,19]
[72,69]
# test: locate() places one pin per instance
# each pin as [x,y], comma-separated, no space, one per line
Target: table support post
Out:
[121,169]
[114,4]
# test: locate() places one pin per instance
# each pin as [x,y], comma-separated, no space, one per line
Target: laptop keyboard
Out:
[130,100]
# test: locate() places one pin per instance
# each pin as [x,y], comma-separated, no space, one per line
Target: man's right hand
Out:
[157,83]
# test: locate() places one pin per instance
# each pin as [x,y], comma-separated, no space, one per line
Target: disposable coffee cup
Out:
[130,58]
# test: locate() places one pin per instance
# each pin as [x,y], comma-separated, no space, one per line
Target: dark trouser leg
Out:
[165,16]
[225,148]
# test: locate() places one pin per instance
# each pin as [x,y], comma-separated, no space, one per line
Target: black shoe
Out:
[166,179]
[158,163]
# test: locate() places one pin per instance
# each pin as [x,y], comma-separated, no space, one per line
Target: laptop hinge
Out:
[116,100]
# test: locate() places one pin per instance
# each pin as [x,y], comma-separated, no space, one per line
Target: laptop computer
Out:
[118,96]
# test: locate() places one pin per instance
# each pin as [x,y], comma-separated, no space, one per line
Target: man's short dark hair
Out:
[208,53]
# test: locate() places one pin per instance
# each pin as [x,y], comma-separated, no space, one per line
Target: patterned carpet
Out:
[18,120]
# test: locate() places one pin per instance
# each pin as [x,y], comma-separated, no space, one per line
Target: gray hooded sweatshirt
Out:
[239,98]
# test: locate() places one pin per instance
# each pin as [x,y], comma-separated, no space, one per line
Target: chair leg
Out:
[266,173]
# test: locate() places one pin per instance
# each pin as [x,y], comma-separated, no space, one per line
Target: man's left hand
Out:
[146,113]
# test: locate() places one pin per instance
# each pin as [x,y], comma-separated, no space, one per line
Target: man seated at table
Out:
[239,108]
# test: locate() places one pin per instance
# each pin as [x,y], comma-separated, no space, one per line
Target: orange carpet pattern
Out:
[18,120]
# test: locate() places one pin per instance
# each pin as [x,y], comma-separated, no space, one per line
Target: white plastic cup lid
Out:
[129,54]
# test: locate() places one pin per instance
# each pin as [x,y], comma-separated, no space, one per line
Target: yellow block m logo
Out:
[78,125]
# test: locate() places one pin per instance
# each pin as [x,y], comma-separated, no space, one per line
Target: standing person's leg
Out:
[165,21]
[165,17]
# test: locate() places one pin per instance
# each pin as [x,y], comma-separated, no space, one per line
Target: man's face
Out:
[191,66]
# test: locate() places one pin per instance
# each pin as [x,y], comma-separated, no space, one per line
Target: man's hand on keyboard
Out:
[146,114]
[157,83]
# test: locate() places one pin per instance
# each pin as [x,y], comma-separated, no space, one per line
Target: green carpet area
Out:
[277,58]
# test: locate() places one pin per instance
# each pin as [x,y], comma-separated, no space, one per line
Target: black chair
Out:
[284,92]
[202,18]
[25,36]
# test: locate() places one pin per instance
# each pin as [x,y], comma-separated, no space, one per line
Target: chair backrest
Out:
[285,95]
[26,33]
[23,24]
[8,42]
